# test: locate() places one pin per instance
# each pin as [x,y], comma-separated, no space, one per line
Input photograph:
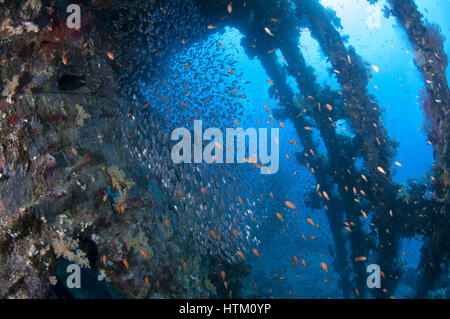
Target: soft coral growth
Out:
[435,39]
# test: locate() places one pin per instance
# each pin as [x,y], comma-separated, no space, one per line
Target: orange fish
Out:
[290,205]
[223,275]
[256,252]
[147,281]
[110,55]
[295,261]
[241,254]
[213,234]
[362,258]
[144,253]
[203,190]
[240,200]
[167,223]
[125,262]
[279,216]
[235,233]
[308,128]
[184,265]
[104,260]
[309,220]
[324,266]
[329,107]
[230,8]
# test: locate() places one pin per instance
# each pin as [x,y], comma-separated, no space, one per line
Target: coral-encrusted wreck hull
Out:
[64,189]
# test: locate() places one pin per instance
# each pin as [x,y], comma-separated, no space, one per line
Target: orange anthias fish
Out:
[241,254]
[144,253]
[290,205]
[362,258]
[324,266]
[213,234]
[256,252]
[279,216]
[125,262]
